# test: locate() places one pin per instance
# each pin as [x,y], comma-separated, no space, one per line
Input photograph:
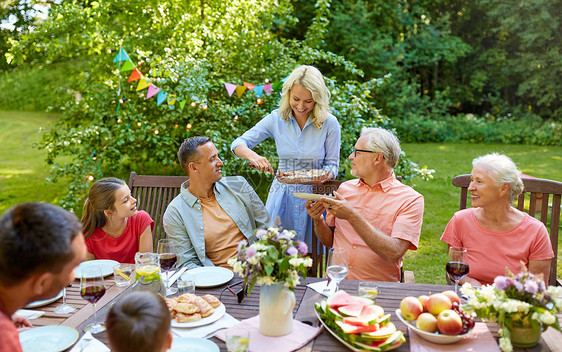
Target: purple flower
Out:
[292,251]
[283,236]
[500,282]
[518,286]
[260,233]
[303,248]
[531,286]
[240,244]
[250,252]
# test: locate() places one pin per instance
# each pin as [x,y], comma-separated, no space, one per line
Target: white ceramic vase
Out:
[276,309]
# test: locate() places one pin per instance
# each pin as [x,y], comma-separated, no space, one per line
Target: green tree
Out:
[189,49]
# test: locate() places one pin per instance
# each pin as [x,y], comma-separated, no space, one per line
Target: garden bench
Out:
[537,188]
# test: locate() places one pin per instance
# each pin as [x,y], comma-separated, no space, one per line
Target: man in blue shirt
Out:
[212,214]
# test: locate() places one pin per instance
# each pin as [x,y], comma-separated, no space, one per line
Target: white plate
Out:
[105,265]
[353,348]
[48,338]
[219,312]
[45,301]
[193,344]
[432,336]
[311,196]
[209,276]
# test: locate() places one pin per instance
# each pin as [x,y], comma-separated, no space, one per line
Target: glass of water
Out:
[368,289]
[237,340]
[337,265]
[186,284]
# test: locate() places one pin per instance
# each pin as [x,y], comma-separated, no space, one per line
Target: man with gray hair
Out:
[212,214]
[375,218]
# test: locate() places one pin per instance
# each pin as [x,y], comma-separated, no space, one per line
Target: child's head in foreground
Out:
[140,322]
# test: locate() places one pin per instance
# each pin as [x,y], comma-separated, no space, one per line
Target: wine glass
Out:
[337,265]
[92,289]
[168,259]
[456,267]
[64,308]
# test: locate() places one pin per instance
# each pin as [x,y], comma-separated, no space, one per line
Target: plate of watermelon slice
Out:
[358,323]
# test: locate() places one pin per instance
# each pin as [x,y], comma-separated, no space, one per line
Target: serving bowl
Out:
[434,337]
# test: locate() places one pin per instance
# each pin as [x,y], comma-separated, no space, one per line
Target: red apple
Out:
[437,303]
[411,308]
[452,296]
[449,322]
[427,322]
[423,300]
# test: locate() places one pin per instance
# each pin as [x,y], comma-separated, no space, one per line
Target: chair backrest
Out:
[540,192]
[153,194]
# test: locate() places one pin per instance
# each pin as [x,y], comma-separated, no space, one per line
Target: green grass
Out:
[23,172]
[22,168]
[442,198]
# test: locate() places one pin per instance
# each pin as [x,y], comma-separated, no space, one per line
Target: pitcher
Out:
[147,273]
[276,309]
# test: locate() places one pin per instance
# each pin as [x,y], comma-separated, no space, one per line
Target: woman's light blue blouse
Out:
[310,148]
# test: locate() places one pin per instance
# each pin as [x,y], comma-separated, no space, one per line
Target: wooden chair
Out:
[537,188]
[318,250]
[153,194]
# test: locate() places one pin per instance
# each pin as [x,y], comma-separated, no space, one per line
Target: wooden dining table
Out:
[389,297]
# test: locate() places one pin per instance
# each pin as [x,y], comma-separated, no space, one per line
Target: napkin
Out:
[175,276]
[480,339]
[301,335]
[29,314]
[88,343]
[226,321]
[321,285]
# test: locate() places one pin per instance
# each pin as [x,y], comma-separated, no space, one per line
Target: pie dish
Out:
[303,176]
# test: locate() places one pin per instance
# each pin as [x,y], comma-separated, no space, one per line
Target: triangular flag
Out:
[152,90]
[171,99]
[276,85]
[268,88]
[284,79]
[249,86]
[182,104]
[122,56]
[259,91]
[230,88]
[143,84]
[127,66]
[240,90]
[136,74]
[160,98]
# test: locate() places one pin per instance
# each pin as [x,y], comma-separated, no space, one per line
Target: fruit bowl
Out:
[434,337]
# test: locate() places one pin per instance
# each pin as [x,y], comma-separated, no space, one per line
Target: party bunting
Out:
[249,86]
[161,97]
[268,88]
[122,56]
[182,104]
[171,99]
[259,91]
[143,84]
[136,74]
[230,88]
[152,90]
[277,85]
[240,90]
[127,66]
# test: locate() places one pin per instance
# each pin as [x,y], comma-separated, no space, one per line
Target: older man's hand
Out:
[339,207]
[315,210]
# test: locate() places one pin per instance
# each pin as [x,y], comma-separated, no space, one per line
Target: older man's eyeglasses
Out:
[240,293]
[355,150]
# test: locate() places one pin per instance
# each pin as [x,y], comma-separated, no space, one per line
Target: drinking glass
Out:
[237,340]
[456,267]
[168,259]
[92,289]
[64,308]
[337,265]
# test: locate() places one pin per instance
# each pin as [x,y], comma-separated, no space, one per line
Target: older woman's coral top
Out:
[488,253]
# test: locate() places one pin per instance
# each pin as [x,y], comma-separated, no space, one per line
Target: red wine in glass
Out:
[92,294]
[167,260]
[457,270]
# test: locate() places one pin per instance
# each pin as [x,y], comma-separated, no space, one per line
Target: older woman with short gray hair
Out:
[496,234]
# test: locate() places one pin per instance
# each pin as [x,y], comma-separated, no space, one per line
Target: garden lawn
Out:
[442,198]
[22,168]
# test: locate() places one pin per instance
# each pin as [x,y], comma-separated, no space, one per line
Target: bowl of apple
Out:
[437,318]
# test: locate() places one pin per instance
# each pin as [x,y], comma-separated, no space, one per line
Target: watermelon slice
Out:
[354,329]
[352,310]
[383,333]
[340,298]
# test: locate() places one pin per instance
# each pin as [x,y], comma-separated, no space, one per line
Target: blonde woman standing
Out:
[306,136]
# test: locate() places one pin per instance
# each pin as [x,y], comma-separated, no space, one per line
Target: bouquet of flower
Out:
[273,257]
[515,300]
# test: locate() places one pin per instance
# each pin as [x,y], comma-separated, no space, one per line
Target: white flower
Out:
[505,344]
[265,280]
[547,318]
[259,246]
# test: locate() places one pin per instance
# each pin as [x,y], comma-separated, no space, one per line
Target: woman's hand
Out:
[261,163]
[21,322]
